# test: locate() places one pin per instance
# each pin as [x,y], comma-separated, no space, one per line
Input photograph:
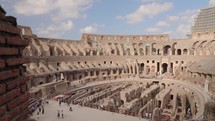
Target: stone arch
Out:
[147,69]
[211,44]
[174,48]
[153,69]
[141,46]
[163,85]
[179,52]
[52,50]
[167,50]
[117,49]
[185,51]
[211,47]
[135,46]
[164,67]
[195,44]
[141,51]
[128,51]
[153,49]
[141,68]
[202,44]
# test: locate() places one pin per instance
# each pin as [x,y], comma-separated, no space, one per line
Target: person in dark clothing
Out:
[70,109]
[62,114]
[58,114]
[43,110]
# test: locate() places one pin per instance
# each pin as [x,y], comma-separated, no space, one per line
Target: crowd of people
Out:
[39,107]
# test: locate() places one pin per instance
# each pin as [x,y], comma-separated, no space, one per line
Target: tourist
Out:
[43,110]
[62,113]
[102,107]
[58,114]
[60,103]
[70,109]
[39,109]
[38,112]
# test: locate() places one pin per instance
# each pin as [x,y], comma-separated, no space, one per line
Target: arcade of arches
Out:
[129,73]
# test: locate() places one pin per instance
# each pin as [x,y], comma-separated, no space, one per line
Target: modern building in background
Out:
[205,20]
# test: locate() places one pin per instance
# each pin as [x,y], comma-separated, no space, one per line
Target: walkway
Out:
[80,114]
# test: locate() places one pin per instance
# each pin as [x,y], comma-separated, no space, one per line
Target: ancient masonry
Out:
[61,66]
[14,93]
[147,76]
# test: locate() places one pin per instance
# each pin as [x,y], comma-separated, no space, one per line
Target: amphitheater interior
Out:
[147,76]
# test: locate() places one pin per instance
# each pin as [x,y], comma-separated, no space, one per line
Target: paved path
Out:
[80,114]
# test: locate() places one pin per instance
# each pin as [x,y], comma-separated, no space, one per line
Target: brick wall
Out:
[13,88]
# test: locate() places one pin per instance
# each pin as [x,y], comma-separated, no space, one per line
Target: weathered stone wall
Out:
[13,89]
[209,113]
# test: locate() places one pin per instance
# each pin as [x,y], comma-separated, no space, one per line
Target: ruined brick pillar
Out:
[13,88]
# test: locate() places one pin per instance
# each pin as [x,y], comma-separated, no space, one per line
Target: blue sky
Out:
[68,19]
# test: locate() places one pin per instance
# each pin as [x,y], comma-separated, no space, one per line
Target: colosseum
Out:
[152,77]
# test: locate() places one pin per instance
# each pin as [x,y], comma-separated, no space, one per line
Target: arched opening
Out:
[185,52]
[135,51]
[141,68]
[128,51]
[179,52]
[164,68]
[117,50]
[153,69]
[52,52]
[135,69]
[195,44]
[131,69]
[112,52]
[163,86]
[167,50]
[147,70]
[159,104]
[158,52]
[141,51]
[153,49]
[173,48]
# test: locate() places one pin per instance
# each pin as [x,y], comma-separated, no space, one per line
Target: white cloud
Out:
[88,29]
[59,9]
[55,30]
[211,3]
[183,22]
[145,11]
[188,16]
[152,29]
[33,7]
[61,13]
[162,24]
[183,29]
[172,18]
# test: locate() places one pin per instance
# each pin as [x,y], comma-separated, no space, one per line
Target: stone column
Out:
[206,85]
